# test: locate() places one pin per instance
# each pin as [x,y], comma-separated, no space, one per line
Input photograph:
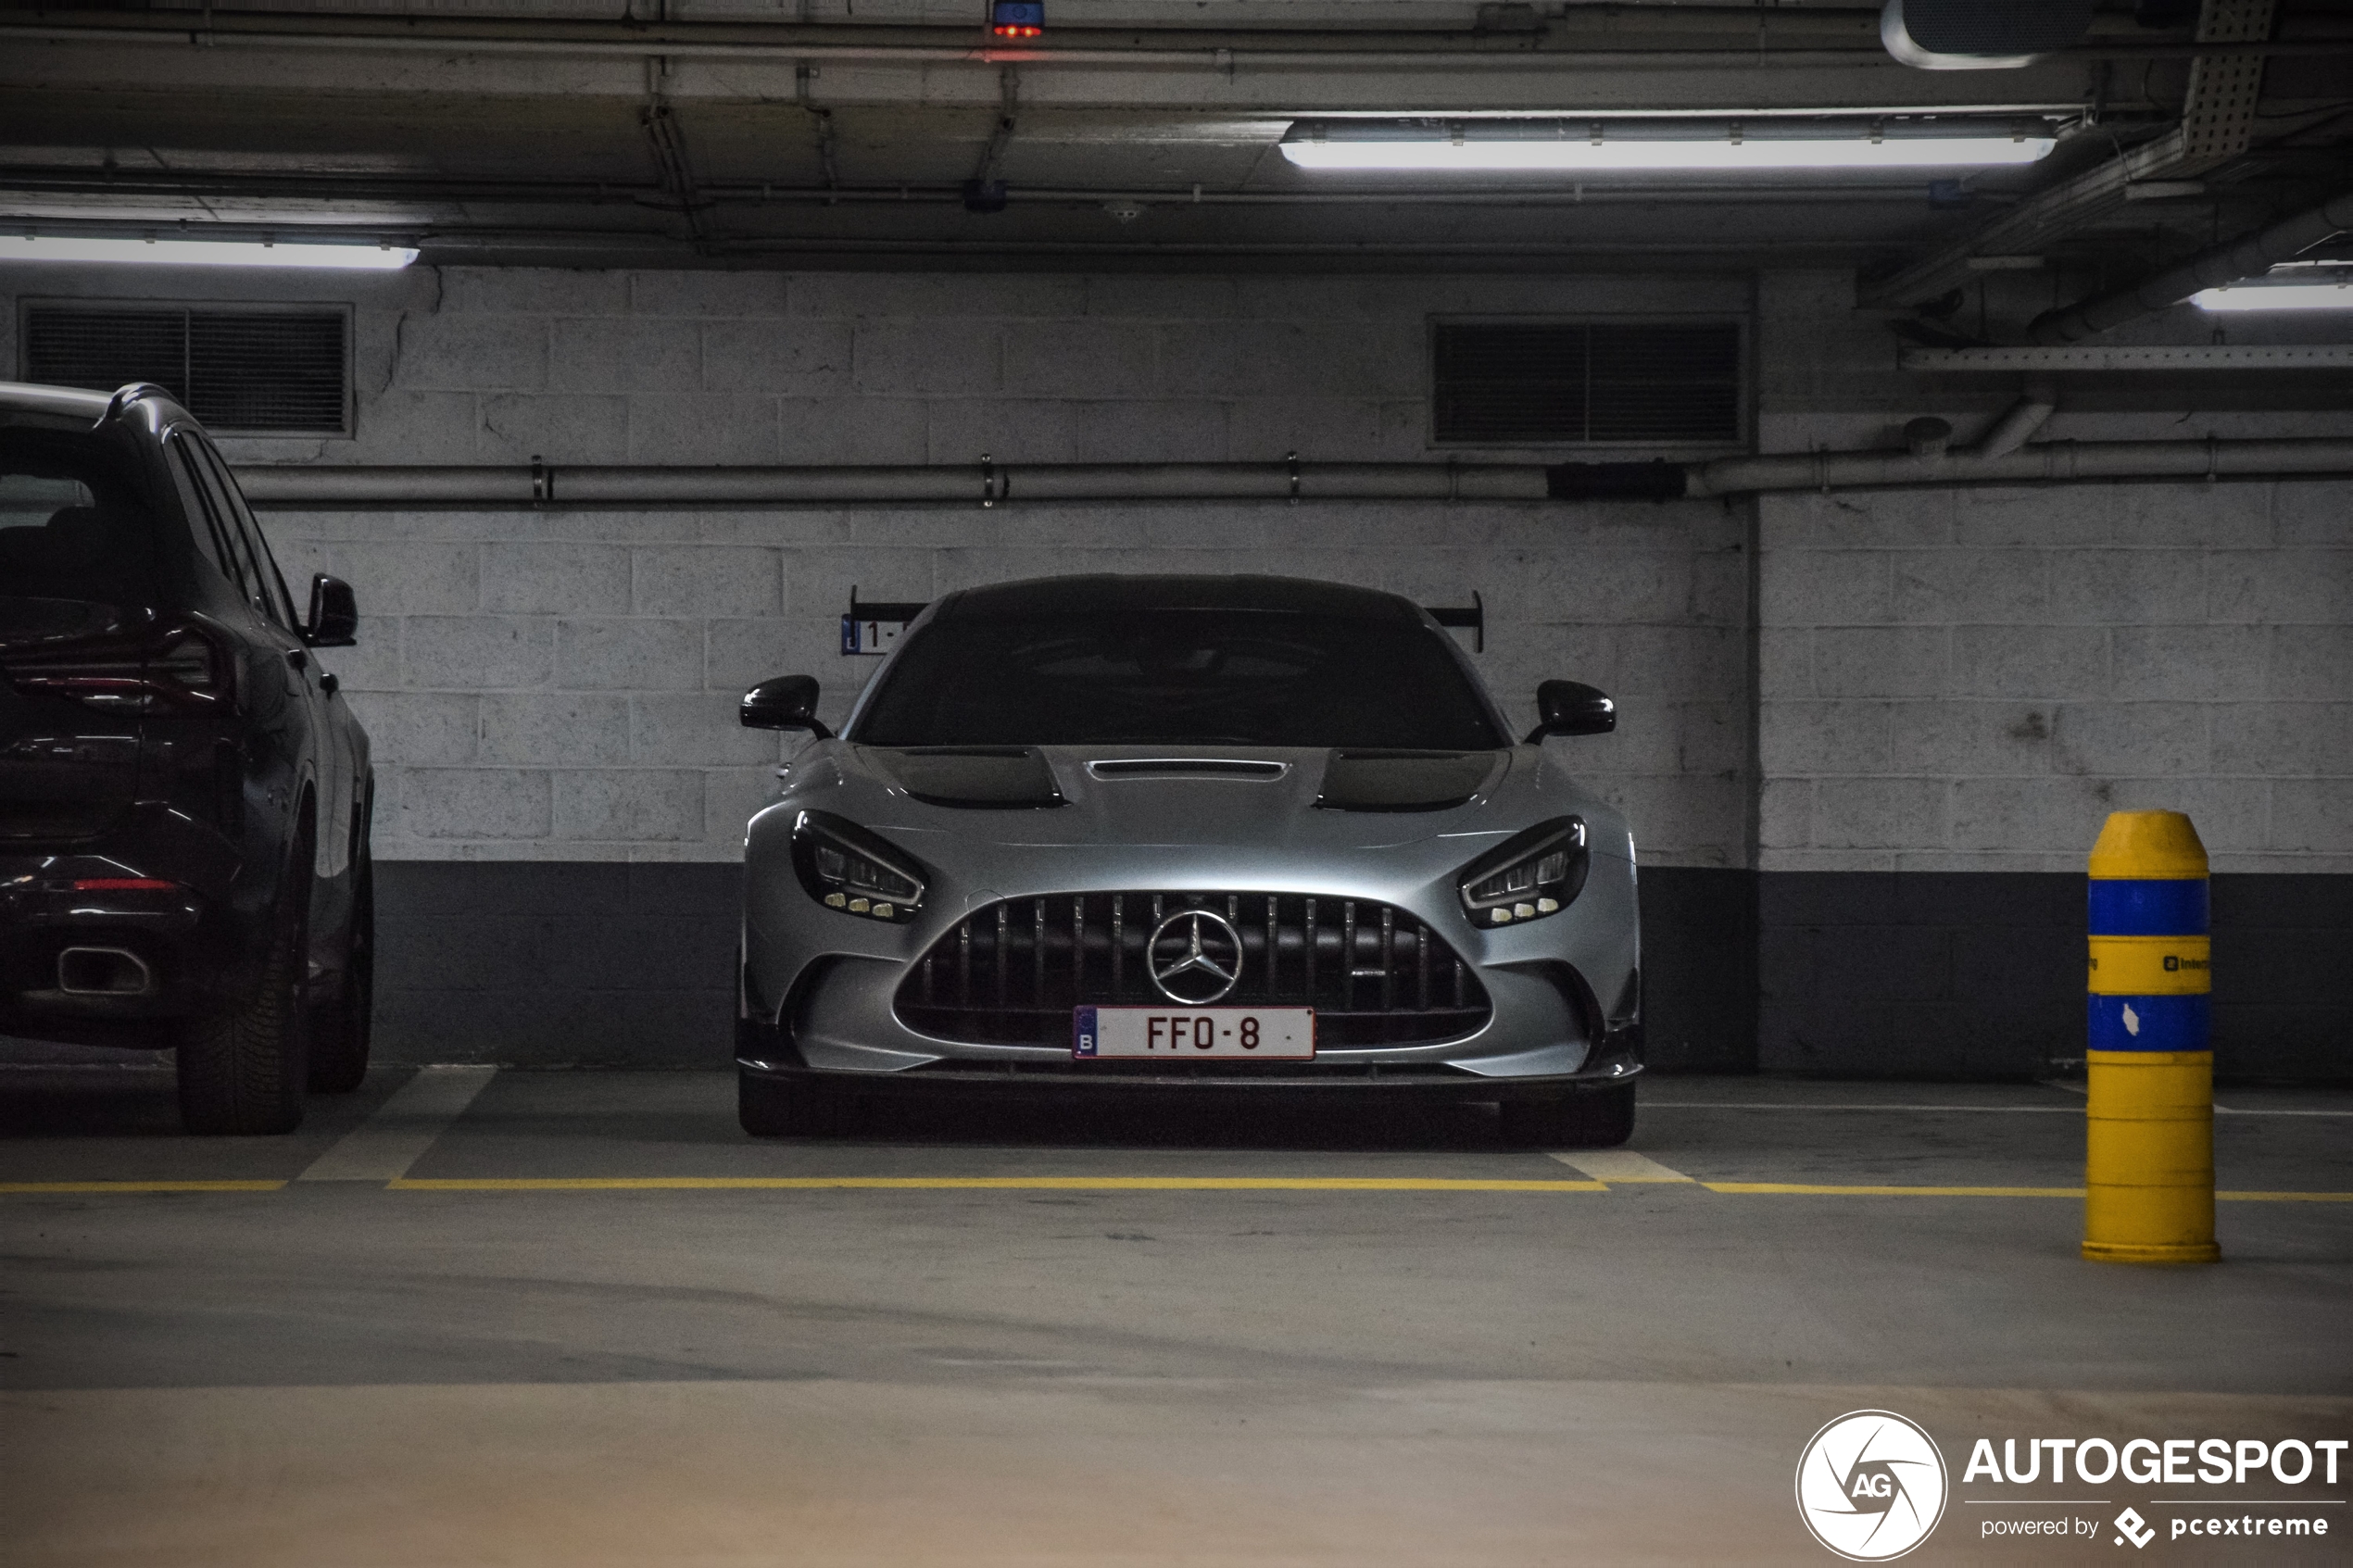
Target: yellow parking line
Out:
[140,1186]
[1112,1184]
[1082,1184]
[1616,1166]
[2283,1198]
[1809,1190]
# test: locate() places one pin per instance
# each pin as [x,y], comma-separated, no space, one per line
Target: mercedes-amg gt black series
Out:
[1178,834]
[184,793]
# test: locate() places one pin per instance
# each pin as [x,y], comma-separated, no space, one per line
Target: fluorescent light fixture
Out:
[1529,146]
[202,253]
[2334,293]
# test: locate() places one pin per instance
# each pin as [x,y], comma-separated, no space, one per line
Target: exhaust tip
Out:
[104,971]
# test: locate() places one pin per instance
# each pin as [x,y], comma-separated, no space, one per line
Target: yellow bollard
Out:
[2148,1154]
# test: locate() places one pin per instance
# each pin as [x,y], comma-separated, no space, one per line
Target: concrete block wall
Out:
[561,684]
[1955,687]
[553,691]
[1972,680]
[1863,803]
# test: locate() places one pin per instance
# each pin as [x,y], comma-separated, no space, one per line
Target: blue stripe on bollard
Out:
[2174,907]
[2150,1024]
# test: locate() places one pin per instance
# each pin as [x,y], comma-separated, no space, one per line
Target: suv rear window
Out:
[1178,677]
[73,524]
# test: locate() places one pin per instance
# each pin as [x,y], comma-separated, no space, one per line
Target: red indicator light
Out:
[1017,19]
[123,884]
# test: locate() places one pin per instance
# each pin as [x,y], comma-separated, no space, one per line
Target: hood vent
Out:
[1189,768]
[1002,778]
[1403,780]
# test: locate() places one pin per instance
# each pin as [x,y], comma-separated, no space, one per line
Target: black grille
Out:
[240,371]
[1546,383]
[1010,973]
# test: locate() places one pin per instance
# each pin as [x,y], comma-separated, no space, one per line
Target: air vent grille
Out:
[1553,383]
[241,371]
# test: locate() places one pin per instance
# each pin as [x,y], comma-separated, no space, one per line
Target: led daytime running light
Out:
[847,869]
[1535,875]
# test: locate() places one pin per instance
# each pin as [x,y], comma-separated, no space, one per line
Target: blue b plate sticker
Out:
[1082,1031]
[869,637]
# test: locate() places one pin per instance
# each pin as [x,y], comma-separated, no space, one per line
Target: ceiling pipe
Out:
[2247,256]
[1600,42]
[2050,462]
[2020,421]
[984,483]
[989,483]
[1270,48]
[221,186]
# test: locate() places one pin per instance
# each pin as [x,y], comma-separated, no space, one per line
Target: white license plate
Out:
[1192,1033]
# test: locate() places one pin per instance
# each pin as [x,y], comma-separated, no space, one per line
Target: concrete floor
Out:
[1525,1366]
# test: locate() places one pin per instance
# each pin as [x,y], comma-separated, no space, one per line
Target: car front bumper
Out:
[820,991]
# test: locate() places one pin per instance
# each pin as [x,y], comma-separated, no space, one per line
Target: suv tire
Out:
[341,1029]
[243,1069]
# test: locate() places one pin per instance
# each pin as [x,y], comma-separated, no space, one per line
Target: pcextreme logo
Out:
[1871,1486]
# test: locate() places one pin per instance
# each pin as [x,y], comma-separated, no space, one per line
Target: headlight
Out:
[846,868]
[1528,877]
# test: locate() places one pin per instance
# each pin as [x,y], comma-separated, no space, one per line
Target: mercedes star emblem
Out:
[1196,957]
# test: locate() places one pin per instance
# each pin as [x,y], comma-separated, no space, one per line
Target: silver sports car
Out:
[1186,834]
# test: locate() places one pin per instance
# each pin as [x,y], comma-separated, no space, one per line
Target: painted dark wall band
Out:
[1870,975]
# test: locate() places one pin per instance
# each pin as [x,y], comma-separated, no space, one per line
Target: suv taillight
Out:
[180,668]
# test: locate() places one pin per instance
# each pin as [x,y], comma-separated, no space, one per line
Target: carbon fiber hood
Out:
[1229,804]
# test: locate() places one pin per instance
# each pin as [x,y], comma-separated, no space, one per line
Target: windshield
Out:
[1170,676]
[72,522]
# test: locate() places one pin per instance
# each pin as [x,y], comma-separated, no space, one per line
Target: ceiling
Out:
[849,132]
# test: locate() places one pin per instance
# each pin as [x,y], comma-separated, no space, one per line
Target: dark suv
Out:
[184,794]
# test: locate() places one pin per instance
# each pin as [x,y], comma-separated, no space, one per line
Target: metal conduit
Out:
[985,483]
[1218,51]
[989,483]
[2247,258]
[2050,462]
[1267,50]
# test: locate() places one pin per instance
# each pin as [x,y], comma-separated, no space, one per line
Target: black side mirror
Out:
[1572,707]
[789,702]
[334,614]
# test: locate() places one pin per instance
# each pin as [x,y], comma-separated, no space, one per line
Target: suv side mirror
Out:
[789,702]
[334,614]
[1572,707]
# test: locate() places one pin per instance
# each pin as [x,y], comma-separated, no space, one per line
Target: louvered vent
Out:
[1553,383]
[241,371]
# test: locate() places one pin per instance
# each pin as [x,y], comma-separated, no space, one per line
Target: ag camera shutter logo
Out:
[1871,1486]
